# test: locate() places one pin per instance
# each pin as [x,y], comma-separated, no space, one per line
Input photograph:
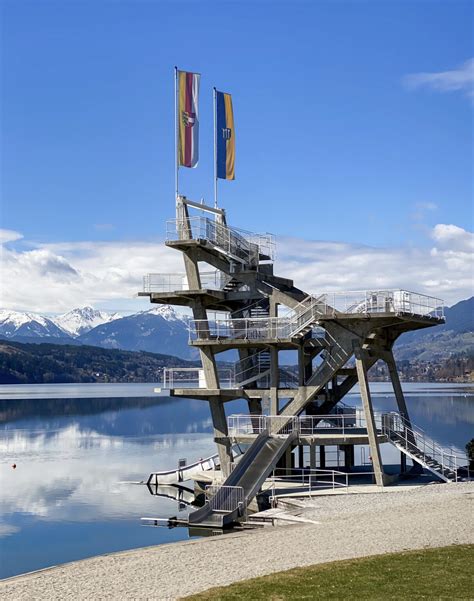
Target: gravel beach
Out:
[348,526]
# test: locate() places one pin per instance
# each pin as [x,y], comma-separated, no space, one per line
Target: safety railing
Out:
[240,244]
[244,425]
[171,282]
[233,376]
[416,442]
[193,377]
[226,499]
[303,425]
[281,424]
[310,480]
[307,312]
[398,302]
[252,368]
[257,328]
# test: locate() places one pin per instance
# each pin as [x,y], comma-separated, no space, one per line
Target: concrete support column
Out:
[255,408]
[219,423]
[348,455]
[209,366]
[360,356]
[288,460]
[403,462]
[206,352]
[389,359]
[301,456]
[312,456]
[397,387]
[322,457]
[192,273]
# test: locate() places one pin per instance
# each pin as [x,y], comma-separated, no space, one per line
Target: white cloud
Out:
[444,271]
[57,277]
[456,80]
[82,483]
[9,236]
[453,237]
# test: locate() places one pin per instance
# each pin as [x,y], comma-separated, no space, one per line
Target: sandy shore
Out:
[348,526]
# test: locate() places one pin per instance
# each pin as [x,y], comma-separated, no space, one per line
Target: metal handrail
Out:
[303,425]
[313,478]
[225,498]
[313,308]
[415,440]
[246,328]
[396,301]
[251,368]
[242,245]
[192,376]
[170,282]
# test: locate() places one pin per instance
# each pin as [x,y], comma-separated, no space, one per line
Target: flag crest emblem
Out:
[188,98]
[225,143]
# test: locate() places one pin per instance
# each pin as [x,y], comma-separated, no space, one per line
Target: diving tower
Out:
[238,303]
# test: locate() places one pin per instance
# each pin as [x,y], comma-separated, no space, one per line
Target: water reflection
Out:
[77,458]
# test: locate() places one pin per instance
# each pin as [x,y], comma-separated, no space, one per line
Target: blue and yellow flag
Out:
[225,137]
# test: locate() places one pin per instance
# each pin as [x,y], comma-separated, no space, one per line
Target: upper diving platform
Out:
[239,246]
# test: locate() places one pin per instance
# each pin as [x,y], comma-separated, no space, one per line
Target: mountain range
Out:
[159,330]
[163,330]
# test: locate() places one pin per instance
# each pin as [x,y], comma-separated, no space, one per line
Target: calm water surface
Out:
[79,449]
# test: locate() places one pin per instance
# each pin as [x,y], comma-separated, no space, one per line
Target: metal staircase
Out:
[306,315]
[253,368]
[414,442]
[232,285]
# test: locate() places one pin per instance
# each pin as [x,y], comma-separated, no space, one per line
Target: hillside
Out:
[53,363]
[164,330]
[440,342]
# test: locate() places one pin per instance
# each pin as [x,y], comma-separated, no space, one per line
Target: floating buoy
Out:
[14,466]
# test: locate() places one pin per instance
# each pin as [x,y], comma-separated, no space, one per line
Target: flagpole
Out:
[215,148]
[176,132]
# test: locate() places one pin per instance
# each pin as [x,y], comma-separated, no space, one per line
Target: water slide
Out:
[246,480]
[190,471]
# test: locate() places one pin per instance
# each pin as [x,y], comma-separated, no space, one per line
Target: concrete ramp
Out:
[228,504]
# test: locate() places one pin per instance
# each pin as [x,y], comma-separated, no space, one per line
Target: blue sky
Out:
[339,135]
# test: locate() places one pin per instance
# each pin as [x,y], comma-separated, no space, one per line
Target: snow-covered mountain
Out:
[31,325]
[80,321]
[166,312]
[159,330]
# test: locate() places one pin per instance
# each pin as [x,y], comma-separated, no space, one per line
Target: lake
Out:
[80,450]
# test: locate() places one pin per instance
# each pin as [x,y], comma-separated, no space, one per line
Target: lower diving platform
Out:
[269,437]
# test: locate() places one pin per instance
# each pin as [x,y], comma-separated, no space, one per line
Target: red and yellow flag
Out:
[188,118]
